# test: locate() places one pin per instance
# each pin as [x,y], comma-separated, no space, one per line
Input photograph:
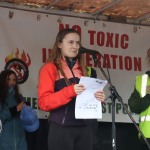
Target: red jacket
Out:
[48,99]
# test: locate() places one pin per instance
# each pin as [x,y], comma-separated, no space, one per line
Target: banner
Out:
[26,39]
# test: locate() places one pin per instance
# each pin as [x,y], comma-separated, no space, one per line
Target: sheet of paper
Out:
[87,106]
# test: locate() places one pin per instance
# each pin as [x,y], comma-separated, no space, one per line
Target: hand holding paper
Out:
[87,106]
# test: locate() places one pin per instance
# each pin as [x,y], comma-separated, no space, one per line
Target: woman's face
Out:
[70,45]
[11,81]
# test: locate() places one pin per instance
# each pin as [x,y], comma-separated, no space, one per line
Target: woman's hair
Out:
[4,76]
[56,55]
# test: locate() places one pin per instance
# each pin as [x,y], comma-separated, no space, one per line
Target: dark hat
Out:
[29,118]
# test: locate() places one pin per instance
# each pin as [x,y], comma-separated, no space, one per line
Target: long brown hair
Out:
[4,75]
[55,54]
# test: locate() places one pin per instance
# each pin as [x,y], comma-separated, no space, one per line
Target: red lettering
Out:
[124,40]
[91,36]
[115,62]
[109,39]
[106,61]
[120,63]
[78,28]
[114,57]
[109,42]
[128,62]
[44,54]
[100,38]
[137,64]
[66,26]
[116,40]
[88,60]
[98,61]
[61,26]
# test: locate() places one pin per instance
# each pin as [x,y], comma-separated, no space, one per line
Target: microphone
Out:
[94,53]
[83,50]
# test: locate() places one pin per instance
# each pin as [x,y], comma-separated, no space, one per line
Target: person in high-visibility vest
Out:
[139,102]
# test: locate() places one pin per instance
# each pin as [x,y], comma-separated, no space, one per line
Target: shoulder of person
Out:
[48,66]
[148,73]
[138,77]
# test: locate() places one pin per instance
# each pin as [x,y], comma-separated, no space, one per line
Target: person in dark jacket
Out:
[57,91]
[12,136]
[139,102]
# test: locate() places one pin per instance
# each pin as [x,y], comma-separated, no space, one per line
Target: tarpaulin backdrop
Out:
[27,37]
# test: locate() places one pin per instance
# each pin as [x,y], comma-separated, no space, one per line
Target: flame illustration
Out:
[24,57]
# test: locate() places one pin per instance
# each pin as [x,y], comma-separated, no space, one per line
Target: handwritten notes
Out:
[87,106]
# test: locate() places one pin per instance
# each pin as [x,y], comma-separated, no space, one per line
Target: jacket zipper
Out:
[64,118]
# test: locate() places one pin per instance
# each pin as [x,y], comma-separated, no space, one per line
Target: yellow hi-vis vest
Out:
[89,71]
[144,122]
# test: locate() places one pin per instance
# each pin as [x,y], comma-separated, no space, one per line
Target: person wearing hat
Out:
[12,136]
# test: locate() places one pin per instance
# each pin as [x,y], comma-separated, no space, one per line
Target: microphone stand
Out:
[114,95]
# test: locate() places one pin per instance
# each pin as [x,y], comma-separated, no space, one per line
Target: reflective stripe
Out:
[145,118]
[144,124]
[144,84]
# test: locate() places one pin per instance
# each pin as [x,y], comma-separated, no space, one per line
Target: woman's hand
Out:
[100,95]
[19,106]
[79,88]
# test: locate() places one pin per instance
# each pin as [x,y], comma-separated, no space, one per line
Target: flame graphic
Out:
[24,57]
